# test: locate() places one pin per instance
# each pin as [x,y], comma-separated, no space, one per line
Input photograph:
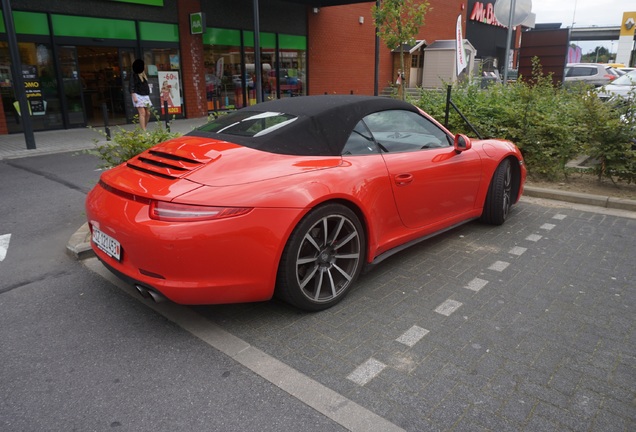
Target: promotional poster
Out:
[169,92]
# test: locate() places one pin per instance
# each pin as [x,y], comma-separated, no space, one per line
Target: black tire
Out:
[322,258]
[499,197]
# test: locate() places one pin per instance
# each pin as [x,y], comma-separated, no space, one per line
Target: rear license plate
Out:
[107,244]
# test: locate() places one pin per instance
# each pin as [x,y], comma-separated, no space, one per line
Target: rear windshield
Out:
[248,123]
[627,79]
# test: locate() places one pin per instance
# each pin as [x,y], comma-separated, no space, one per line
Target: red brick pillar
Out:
[191,47]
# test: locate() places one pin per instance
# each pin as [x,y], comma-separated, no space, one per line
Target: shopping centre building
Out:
[200,55]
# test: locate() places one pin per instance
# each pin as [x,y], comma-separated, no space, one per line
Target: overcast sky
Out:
[584,13]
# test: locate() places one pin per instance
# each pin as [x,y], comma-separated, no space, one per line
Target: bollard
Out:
[165,110]
[105,115]
[448,98]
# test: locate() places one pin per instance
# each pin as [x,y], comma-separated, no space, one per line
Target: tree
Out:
[398,22]
[600,54]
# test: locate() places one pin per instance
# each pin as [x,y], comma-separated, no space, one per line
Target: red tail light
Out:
[167,211]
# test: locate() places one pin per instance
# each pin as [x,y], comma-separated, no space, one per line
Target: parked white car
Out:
[625,69]
[623,86]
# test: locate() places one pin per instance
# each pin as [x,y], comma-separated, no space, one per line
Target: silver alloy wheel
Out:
[328,257]
[507,191]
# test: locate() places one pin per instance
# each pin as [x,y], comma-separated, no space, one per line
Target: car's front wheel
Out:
[322,258]
[499,197]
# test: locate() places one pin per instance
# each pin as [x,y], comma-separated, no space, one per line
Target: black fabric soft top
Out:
[323,126]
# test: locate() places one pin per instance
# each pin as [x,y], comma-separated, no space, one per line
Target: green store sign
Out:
[197,23]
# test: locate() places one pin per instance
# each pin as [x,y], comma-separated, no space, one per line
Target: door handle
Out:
[403,179]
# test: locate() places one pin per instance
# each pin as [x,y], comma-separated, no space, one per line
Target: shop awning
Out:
[410,48]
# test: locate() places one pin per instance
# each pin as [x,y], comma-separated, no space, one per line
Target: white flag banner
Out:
[461,61]
[219,68]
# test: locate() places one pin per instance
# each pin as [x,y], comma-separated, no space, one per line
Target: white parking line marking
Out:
[448,307]
[559,216]
[499,266]
[329,403]
[517,250]
[366,371]
[476,284]
[4,245]
[534,237]
[547,226]
[412,335]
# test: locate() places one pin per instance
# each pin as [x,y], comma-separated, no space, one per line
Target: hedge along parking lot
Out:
[550,124]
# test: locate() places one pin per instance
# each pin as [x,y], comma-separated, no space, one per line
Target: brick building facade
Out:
[304,50]
[341,45]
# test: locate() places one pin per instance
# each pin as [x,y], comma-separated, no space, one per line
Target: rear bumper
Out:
[212,262]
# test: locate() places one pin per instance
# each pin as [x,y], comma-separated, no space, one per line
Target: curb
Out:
[580,198]
[79,245]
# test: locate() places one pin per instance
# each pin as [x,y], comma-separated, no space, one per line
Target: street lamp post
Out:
[508,39]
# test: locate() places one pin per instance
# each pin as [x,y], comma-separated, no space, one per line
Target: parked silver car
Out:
[595,74]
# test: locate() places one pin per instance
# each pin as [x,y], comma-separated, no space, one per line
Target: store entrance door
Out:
[101,78]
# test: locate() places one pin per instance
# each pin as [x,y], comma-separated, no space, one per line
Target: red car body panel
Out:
[399,198]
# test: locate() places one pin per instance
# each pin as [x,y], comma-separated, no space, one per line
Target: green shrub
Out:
[611,129]
[126,144]
[550,125]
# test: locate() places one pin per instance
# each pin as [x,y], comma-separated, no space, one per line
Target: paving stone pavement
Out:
[538,333]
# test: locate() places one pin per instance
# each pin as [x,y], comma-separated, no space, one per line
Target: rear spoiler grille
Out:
[166,165]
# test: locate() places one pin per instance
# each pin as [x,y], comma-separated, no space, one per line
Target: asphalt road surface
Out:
[528,326]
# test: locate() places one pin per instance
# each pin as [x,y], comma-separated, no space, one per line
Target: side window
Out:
[360,142]
[402,131]
[581,71]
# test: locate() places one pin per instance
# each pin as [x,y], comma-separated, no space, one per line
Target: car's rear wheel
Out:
[322,258]
[499,198]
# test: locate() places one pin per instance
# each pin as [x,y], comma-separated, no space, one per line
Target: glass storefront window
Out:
[223,70]
[163,67]
[283,71]
[268,64]
[72,85]
[293,65]
[126,59]
[101,83]
[38,73]
[292,73]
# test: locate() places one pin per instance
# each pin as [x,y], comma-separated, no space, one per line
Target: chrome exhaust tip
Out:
[143,291]
[149,293]
[158,298]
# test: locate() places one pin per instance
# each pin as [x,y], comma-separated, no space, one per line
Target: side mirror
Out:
[462,143]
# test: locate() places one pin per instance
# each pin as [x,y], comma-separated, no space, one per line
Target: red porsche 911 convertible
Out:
[293,198]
